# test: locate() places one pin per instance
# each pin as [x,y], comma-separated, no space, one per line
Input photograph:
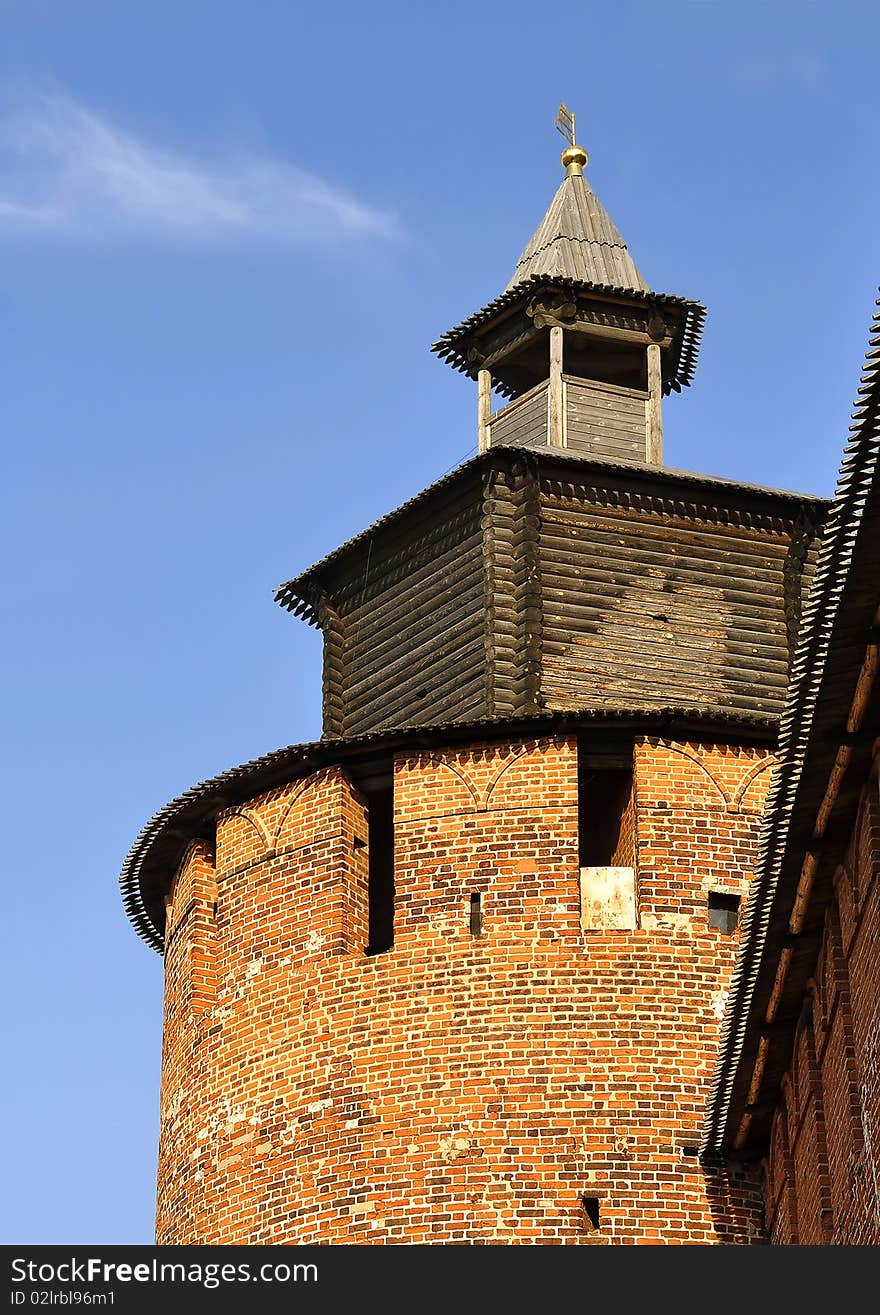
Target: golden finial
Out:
[574,157]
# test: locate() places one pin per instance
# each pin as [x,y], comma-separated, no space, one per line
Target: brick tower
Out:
[455,973]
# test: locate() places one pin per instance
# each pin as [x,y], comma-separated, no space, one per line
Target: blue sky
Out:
[228,234]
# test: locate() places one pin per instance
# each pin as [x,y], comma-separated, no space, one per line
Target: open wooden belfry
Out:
[578,341]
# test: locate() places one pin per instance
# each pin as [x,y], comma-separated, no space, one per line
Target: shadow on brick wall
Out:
[735,1192]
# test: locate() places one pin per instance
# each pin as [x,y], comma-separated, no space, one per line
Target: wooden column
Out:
[484,409]
[556,418]
[654,415]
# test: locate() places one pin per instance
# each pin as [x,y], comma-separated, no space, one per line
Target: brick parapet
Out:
[456,1087]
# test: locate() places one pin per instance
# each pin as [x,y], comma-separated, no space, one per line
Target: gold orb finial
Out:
[574,157]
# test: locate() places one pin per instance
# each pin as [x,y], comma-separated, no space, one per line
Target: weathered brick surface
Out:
[455,1088]
[820,1172]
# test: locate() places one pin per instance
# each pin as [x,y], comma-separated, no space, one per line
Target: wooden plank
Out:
[393,555]
[591,329]
[598,433]
[556,412]
[626,638]
[605,403]
[389,658]
[627,449]
[484,409]
[591,516]
[363,608]
[624,633]
[586,578]
[539,390]
[598,657]
[598,495]
[529,426]
[577,385]
[561,551]
[524,422]
[615,689]
[622,402]
[632,629]
[608,420]
[455,671]
[654,414]
[420,668]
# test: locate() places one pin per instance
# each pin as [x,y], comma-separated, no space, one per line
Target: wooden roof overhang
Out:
[153,859]
[304,594]
[510,327]
[827,735]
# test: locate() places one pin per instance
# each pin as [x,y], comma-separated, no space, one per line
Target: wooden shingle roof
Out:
[577,240]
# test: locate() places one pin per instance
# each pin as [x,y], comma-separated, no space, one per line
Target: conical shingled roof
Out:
[577,240]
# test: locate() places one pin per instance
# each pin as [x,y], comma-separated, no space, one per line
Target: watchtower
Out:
[577,340]
[455,972]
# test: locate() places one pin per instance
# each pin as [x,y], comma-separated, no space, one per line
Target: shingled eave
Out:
[299,594]
[152,861]
[451,346]
[835,633]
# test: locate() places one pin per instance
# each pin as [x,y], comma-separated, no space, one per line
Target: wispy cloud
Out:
[68,172]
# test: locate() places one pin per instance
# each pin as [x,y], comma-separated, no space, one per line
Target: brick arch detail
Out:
[304,787]
[688,753]
[456,771]
[250,816]
[755,772]
[506,767]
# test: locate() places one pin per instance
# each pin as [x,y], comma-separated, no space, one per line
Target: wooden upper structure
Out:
[578,340]
[565,569]
[560,578]
[534,580]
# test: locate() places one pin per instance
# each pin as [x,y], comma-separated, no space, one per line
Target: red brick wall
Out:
[455,1088]
[822,1166]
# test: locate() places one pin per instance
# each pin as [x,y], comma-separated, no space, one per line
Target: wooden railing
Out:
[599,419]
[523,421]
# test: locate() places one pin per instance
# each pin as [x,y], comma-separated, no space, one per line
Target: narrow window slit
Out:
[379,792]
[476,915]
[590,1210]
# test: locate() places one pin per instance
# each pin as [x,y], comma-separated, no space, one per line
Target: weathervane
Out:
[565,123]
[574,157]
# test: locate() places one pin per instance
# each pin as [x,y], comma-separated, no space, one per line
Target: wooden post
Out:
[556,419]
[484,410]
[654,415]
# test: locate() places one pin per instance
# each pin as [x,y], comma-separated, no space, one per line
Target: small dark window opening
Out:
[590,1208]
[606,836]
[476,915]
[380,879]
[723,911]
